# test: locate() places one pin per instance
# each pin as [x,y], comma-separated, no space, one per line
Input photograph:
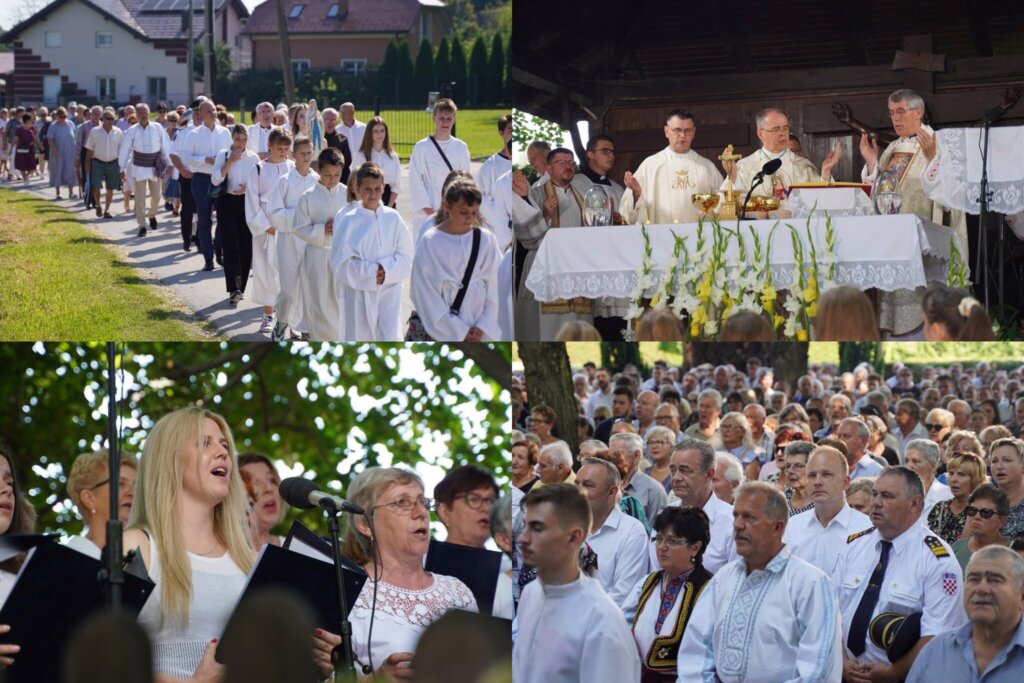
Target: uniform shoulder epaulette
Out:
[853,537]
[936,546]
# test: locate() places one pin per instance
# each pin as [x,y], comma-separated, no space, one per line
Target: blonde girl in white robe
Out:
[290,249]
[314,224]
[442,256]
[370,258]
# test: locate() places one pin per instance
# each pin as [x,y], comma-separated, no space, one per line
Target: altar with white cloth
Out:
[888,253]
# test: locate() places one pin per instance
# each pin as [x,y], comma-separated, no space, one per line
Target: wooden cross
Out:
[918,64]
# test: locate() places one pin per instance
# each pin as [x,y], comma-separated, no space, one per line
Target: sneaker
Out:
[268,322]
[152,223]
[142,232]
[208,267]
[235,297]
[280,332]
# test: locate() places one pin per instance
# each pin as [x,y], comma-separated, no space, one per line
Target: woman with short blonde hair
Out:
[89,489]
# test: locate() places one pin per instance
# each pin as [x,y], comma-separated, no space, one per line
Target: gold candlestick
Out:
[727,209]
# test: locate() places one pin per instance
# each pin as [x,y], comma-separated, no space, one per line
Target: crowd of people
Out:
[198,513]
[723,523]
[661,191]
[303,200]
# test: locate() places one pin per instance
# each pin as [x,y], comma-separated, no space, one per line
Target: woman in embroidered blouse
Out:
[408,598]
[664,600]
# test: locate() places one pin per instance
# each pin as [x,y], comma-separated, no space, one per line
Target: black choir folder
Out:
[56,589]
[478,568]
[304,566]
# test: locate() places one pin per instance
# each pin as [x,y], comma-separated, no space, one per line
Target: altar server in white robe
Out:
[314,225]
[499,163]
[496,211]
[434,218]
[773,132]
[290,249]
[262,183]
[900,311]
[561,206]
[767,616]
[370,258]
[570,631]
[433,158]
[440,264]
[662,189]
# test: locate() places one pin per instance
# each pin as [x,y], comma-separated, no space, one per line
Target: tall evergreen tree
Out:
[458,68]
[389,67]
[507,87]
[478,74]
[496,70]
[405,67]
[425,61]
[442,62]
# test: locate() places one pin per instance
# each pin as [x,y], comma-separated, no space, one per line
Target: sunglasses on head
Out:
[984,512]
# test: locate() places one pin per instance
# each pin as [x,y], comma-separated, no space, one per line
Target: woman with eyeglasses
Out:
[665,599]
[1006,458]
[948,518]
[542,423]
[784,435]
[408,598]
[660,442]
[986,511]
[89,489]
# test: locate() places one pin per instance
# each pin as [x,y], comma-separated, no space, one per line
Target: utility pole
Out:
[191,55]
[208,60]
[286,54]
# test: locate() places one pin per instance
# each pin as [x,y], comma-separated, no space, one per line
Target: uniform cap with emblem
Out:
[895,633]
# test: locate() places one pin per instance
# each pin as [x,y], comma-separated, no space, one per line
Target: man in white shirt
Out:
[619,540]
[199,151]
[143,146]
[897,566]
[768,616]
[101,160]
[188,203]
[352,129]
[570,631]
[259,132]
[433,158]
[855,434]
[819,535]
[602,394]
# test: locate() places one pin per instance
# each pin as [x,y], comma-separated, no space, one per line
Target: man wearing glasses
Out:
[662,189]
[773,131]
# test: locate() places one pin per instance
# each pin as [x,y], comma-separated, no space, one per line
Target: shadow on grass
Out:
[67,219]
[91,240]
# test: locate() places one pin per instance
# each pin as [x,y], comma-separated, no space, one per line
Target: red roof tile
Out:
[364,16]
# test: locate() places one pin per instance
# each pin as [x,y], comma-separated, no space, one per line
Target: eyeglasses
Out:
[670,541]
[659,442]
[604,150]
[984,512]
[934,427]
[125,484]
[408,503]
[897,113]
[563,162]
[665,418]
[776,130]
[476,501]
[683,131]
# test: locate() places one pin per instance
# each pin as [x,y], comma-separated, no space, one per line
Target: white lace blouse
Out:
[402,616]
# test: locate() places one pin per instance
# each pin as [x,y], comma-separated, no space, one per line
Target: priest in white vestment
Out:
[370,258]
[290,250]
[314,225]
[433,158]
[900,311]
[262,183]
[663,186]
[767,616]
[773,132]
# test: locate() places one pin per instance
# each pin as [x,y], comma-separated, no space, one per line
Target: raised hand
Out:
[842,112]
[630,181]
[927,143]
[869,150]
[550,207]
[830,161]
[519,184]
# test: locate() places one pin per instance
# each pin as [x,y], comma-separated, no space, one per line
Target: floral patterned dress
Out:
[948,525]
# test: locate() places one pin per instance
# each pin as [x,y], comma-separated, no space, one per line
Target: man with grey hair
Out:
[899,567]
[837,408]
[619,540]
[592,448]
[764,439]
[554,464]
[351,128]
[709,408]
[990,646]
[754,618]
[961,410]
[667,415]
[773,132]
[335,138]
[855,434]
[259,132]
[728,476]
[142,146]
[650,493]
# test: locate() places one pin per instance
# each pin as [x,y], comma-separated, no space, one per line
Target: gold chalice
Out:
[763,204]
[705,201]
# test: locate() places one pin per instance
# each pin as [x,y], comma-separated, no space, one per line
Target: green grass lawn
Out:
[60,280]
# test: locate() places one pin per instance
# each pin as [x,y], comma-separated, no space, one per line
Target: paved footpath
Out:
[160,259]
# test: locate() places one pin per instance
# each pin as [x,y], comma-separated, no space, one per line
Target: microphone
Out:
[302,493]
[993,115]
[769,168]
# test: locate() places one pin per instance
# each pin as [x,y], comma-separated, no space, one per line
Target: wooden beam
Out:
[921,82]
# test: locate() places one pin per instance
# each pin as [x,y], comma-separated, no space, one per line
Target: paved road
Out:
[160,260]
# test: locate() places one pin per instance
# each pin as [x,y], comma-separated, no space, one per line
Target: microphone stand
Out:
[112,573]
[758,179]
[345,669]
[983,260]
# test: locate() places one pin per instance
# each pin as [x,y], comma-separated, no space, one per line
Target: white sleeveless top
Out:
[217,584]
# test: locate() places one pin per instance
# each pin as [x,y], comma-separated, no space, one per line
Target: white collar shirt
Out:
[621,547]
[820,545]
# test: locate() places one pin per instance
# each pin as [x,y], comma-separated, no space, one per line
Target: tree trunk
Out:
[787,360]
[489,360]
[286,54]
[549,382]
[851,354]
[615,356]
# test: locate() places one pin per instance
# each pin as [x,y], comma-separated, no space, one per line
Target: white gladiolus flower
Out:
[711,327]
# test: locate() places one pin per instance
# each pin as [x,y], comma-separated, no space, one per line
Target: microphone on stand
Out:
[302,493]
[769,168]
[993,115]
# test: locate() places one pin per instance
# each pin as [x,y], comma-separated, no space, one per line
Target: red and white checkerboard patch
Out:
[949,582]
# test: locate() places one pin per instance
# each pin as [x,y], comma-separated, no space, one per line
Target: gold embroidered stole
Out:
[578,304]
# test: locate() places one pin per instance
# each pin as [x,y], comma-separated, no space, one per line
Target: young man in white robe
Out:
[262,183]
[442,257]
[499,163]
[290,249]
[370,258]
[433,158]
[570,631]
[767,616]
[661,191]
[314,224]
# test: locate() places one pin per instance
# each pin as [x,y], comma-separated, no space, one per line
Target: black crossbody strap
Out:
[441,152]
[457,304]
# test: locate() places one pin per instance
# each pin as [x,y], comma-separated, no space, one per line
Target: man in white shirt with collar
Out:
[619,540]
[199,151]
[188,203]
[855,434]
[259,132]
[141,148]
[352,129]
[602,393]
[662,189]
[819,534]
[570,631]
